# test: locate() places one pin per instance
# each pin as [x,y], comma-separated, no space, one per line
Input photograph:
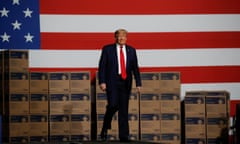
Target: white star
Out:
[5,37]
[28,13]
[28,37]
[16,25]
[4,12]
[15,2]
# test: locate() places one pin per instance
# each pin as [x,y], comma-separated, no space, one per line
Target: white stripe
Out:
[147,58]
[140,23]
[232,88]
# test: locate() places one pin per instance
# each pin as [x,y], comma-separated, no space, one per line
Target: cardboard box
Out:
[195,106]
[149,103]
[60,103]
[150,123]
[101,103]
[59,82]
[59,138]
[216,105]
[169,82]
[171,138]
[170,123]
[18,82]
[215,126]
[80,124]
[18,104]
[133,103]
[39,103]
[59,125]
[195,141]
[133,121]
[170,103]
[80,82]
[38,125]
[195,127]
[18,125]
[150,137]
[38,138]
[77,138]
[81,103]
[16,60]
[39,82]
[150,81]
[19,139]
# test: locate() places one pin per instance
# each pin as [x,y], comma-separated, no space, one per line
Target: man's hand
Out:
[138,89]
[103,86]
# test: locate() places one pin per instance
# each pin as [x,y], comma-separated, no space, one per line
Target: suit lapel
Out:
[127,55]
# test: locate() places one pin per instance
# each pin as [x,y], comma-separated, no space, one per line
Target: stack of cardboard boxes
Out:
[42,106]
[206,117]
[15,96]
[160,107]
[38,106]
[70,106]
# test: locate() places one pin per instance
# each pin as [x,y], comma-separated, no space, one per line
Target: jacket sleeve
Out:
[102,66]
[136,71]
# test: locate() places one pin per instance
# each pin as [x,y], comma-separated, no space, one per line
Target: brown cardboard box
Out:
[59,125]
[60,138]
[195,106]
[133,103]
[60,103]
[215,126]
[169,82]
[18,82]
[80,124]
[38,125]
[171,138]
[217,103]
[39,103]
[133,120]
[39,82]
[101,103]
[80,82]
[170,103]
[18,125]
[150,123]
[16,60]
[59,82]
[38,138]
[80,103]
[150,137]
[195,127]
[170,123]
[149,103]
[18,103]
[150,81]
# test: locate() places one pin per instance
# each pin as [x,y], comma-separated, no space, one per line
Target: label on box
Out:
[150,137]
[80,137]
[59,138]
[39,138]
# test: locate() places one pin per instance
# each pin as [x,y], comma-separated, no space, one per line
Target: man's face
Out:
[121,38]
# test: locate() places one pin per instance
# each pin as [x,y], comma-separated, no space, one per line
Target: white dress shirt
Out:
[118,55]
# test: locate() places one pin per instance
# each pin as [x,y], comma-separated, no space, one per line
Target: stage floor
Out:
[95,142]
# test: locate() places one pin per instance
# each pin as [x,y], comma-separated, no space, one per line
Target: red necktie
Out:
[122,62]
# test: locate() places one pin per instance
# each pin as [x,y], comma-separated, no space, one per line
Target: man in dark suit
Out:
[118,62]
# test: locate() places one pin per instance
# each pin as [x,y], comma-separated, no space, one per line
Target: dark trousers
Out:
[118,99]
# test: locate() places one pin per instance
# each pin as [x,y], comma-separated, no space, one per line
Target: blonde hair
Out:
[120,31]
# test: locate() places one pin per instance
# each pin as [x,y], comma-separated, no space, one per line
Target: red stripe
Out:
[139,7]
[204,74]
[161,40]
[233,107]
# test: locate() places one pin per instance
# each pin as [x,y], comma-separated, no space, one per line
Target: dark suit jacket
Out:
[108,66]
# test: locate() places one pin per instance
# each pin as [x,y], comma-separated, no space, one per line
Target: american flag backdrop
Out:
[199,38]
